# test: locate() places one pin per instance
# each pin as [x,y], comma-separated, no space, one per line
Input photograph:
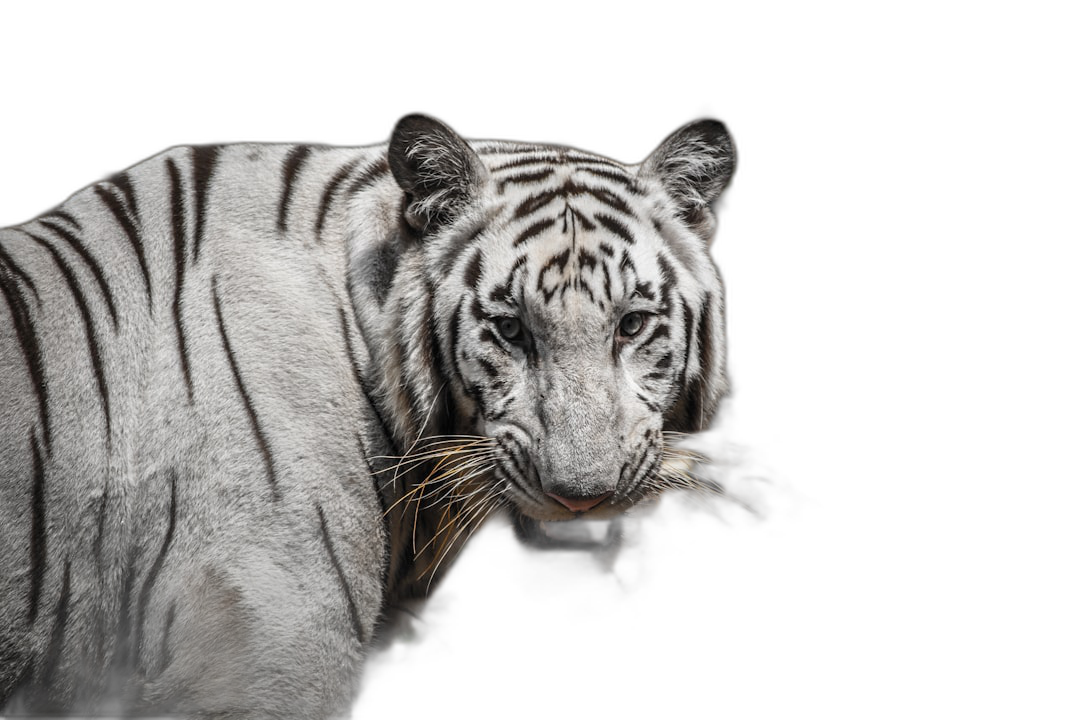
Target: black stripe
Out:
[644,289]
[667,278]
[463,243]
[448,408]
[558,156]
[454,339]
[693,407]
[607,281]
[557,261]
[354,618]
[101,527]
[640,460]
[126,221]
[477,310]
[618,176]
[661,330]
[66,217]
[586,224]
[615,227]
[692,413]
[502,293]
[75,244]
[609,198]
[533,230]
[123,182]
[293,162]
[579,158]
[586,259]
[649,469]
[507,401]
[89,330]
[688,330]
[529,158]
[179,232]
[526,178]
[328,195]
[39,555]
[155,569]
[253,418]
[31,350]
[7,264]
[51,659]
[488,368]
[704,336]
[409,341]
[204,159]
[509,446]
[474,269]
[367,391]
[535,202]
[370,175]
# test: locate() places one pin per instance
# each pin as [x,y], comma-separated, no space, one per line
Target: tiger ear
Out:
[436,168]
[693,165]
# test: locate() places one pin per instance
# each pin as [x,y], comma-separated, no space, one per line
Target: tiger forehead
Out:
[532,178]
[558,201]
[569,224]
[556,271]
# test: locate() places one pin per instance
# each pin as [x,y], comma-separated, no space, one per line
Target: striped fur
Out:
[255,395]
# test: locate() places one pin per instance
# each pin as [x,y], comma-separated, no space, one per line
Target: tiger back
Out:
[255,394]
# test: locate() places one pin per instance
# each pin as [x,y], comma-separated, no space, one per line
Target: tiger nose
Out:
[581,504]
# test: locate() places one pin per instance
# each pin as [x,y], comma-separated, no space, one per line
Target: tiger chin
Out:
[257,395]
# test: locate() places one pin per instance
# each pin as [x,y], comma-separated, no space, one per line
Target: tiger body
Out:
[210,359]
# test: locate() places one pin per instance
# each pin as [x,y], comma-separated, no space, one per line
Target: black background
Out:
[782,611]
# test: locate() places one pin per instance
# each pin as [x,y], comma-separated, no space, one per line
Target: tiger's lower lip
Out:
[577,530]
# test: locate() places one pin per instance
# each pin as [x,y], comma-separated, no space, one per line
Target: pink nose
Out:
[579,505]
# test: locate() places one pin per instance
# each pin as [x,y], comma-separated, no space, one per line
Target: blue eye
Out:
[510,329]
[631,324]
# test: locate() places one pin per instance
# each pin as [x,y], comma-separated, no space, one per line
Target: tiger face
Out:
[579,317]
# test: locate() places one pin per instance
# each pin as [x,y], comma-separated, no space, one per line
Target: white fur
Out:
[228,537]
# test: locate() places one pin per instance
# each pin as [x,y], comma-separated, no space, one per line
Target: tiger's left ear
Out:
[693,165]
[436,168]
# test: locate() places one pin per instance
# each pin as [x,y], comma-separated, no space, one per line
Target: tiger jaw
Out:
[576,535]
[592,532]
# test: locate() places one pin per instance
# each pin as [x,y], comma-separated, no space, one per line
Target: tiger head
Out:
[560,308]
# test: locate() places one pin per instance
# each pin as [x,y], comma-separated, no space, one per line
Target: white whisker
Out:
[679,476]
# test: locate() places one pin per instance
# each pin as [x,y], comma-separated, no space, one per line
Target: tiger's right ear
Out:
[436,168]
[693,165]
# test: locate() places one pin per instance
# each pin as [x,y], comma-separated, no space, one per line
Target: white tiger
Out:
[255,395]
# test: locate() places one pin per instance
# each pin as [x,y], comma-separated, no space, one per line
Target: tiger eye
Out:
[631,324]
[509,328]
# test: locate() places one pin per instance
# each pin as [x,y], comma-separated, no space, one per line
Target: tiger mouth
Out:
[581,533]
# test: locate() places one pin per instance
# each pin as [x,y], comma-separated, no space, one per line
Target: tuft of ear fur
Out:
[693,165]
[436,168]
